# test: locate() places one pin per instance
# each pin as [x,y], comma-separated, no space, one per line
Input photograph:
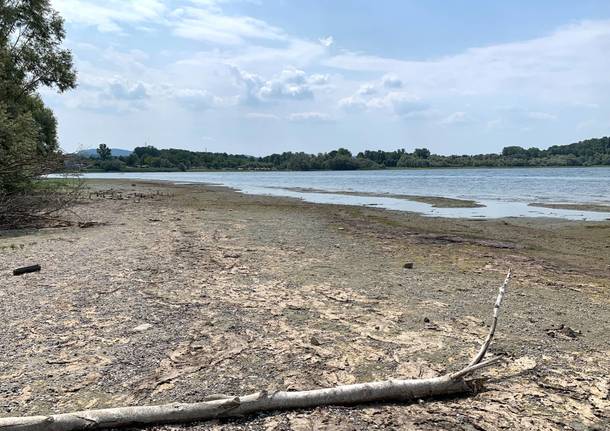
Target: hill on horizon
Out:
[116,152]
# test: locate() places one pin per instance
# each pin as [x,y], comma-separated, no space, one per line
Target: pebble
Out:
[143,327]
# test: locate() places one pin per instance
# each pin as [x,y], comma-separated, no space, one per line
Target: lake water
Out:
[503,192]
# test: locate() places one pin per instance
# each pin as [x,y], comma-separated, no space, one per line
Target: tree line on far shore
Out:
[591,152]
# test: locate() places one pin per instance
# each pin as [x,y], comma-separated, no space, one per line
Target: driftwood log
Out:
[223,406]
[26,269]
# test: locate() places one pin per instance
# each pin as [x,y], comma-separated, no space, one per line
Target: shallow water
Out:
[504,192]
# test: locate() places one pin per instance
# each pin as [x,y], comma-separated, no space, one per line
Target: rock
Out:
[87,224]
[564,330]
[569,332]
[408,265]
[143,327]
[431,326]
[314,341]
[341,228]
[426,320]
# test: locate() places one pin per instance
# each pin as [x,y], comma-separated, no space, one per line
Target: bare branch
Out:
[494,323]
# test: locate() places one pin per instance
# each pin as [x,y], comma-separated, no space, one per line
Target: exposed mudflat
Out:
[434,201]
[581,207]
[178,292]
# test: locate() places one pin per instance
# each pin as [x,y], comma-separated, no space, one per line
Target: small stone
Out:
[341,228]
[408,265]
[426,320]
[143,327]
[569,332]
[314,341]
[230,255]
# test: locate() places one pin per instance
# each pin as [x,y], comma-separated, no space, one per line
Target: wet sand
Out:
[434,201]
[579,207]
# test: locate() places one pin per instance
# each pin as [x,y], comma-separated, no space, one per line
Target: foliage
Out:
[113,165]
[104,152]
[31,33]
[31,56]
[586,153]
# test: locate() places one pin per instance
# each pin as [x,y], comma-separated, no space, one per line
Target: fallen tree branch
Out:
[494,323]
[221,406]
[26,269]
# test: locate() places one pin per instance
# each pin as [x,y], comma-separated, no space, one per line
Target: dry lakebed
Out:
[159,293]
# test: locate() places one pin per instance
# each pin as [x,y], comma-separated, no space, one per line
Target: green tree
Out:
[31,56]
[421,153]
[31,33]
[104,152]
[18,151]
[514,151]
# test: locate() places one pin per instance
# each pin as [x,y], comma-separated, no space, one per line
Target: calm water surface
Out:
[504,192]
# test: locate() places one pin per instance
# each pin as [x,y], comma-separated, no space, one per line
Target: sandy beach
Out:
[173,292]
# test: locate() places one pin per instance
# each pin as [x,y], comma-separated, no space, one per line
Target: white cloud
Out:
[561,75]
[124,91]
[290,84]
[318,79]
[569,64]
[310,117]
[403,104]
[326,41]
[353,104]
[458,117]
[211,25]
[201,20]
[367,90]
[496,123]
[400,103]
[110,15]
[196,99]
[391,81]
[544,116]
[518,115]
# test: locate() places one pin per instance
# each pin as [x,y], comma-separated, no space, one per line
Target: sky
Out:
[266,76]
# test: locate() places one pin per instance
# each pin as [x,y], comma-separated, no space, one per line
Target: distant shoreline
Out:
[426,168]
